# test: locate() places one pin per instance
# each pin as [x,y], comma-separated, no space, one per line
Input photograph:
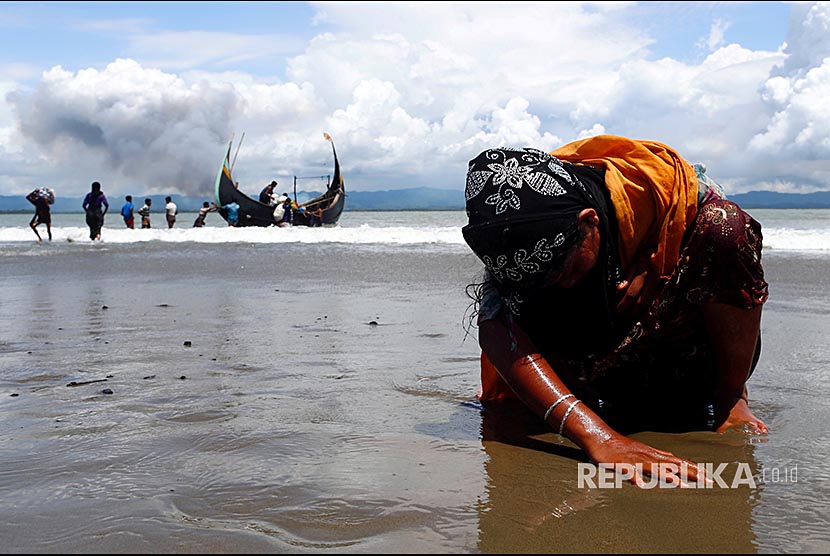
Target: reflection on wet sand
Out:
[533,503]
[301,429]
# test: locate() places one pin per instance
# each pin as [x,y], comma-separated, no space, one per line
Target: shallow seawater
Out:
[325,402]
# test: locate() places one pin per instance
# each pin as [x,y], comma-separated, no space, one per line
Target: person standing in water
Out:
[172,210]
[144,211]
[203,212]
[96,206]
[232,211]
[127,212]
[41,198]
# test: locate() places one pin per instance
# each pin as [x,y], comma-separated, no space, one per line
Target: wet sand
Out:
[292,423]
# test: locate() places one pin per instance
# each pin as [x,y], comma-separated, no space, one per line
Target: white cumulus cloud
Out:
[412,91]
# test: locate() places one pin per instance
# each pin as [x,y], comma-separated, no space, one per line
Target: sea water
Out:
[310,390]
[794,230]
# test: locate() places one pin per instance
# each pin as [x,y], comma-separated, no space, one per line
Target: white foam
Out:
[776,238]
[364,234]
[788,239]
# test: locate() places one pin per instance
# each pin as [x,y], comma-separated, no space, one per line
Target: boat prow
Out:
[254,213]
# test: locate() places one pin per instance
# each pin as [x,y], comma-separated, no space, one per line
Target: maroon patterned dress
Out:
[657,373]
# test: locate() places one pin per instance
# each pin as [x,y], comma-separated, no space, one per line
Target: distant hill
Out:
[771,199]
[415,198]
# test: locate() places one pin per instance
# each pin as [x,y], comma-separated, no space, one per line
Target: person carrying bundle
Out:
[41,198]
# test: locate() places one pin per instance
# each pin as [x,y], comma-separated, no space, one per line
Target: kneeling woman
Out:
[622,292]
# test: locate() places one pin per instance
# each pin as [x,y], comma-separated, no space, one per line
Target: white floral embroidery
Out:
[524,263]
[542,249]
[495,268]
[504,199]
[514,302]
[475,183]
[558,168]
[545,184]
[540,154]
[510,173]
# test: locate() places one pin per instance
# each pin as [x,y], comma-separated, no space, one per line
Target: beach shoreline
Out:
[325,402]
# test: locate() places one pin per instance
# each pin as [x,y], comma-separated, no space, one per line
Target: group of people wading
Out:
[96,206]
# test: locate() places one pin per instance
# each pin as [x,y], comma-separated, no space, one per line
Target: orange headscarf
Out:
[653,190]
[654,193]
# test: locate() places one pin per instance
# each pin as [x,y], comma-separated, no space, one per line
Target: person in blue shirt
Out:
[127,212]
[288,214]
[233,213]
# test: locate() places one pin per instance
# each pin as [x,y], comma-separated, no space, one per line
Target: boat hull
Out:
[254,213]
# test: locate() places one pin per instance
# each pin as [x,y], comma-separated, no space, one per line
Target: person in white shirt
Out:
[172,211]
[203,212]
[144,211]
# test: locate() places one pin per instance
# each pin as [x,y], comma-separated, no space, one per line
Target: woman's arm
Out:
[536,383]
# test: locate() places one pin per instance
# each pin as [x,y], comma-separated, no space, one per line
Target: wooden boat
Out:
[254,213]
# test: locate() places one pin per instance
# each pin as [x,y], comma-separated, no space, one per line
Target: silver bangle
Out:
[557,402]
[565,418]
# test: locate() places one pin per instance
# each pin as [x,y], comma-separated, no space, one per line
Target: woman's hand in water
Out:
[636,461]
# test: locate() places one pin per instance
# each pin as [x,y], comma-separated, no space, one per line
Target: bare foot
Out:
[741,417]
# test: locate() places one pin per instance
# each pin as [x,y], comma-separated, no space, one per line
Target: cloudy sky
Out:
[144,96]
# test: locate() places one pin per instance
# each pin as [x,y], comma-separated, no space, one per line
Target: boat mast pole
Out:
[230,145]
[237,150]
